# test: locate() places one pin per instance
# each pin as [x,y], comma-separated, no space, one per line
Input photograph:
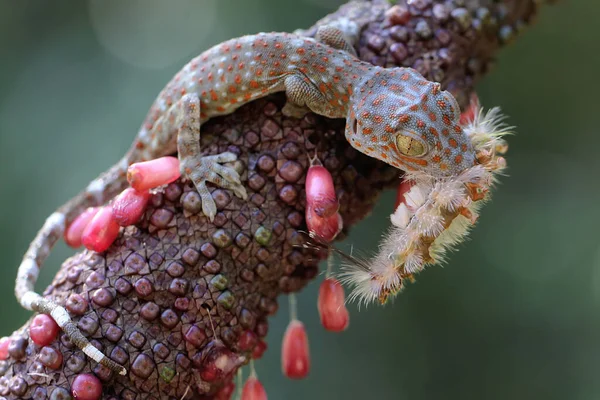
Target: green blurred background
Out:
[514,314]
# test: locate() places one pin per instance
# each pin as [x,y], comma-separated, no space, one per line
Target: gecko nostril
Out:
[354,126]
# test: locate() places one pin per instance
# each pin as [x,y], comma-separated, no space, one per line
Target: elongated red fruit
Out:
[4,343]
[253,390]
[295,354]
[320,191]
[150,174]
[102,231]
[74,232]
[332,306]
[326,228]
[129,206]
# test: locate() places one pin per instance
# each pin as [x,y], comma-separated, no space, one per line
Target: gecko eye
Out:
[410,146]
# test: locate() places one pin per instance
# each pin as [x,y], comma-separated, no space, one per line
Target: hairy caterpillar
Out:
[436,215]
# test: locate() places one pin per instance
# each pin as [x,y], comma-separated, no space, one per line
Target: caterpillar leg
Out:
[201,169]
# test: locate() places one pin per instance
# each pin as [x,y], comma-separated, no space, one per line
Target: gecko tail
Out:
[98,192]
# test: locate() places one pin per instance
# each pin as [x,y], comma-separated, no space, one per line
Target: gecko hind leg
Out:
[334,37]
[201,169]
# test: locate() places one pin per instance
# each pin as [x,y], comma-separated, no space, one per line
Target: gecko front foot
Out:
[210,169]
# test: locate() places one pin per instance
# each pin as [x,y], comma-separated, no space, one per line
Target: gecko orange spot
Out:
[404,118]
[445,132]
[213,95]
[339,69]
[283,55]
[233,101]
[447,152]
[457,129]
[237,79]
[247,96]
[458,159]
[436,89]
[253,84]
[229,68]
[432,117]
[183,91]
[438,145]
[276,64]
[225,48]
[383,155]
[443,167]
[259,72]
[463,147]
[378,100]
[241,65]
[221,109]
[378,119]
[303,70]
[433,131]
[453,143]
[436,159]
[272,73]
[238,46]
[385,147]
[389,129]
[441,104]
[300,51]
[370,148]
[420,124]
[204,94]
[222,79]
[210,76]
[367,131]
[446,119]
[232,89]
[414,108]
[326,59]
[277,45]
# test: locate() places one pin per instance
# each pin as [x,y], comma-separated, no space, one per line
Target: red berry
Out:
[247,340]
[129,206]
[320,191]
[218,362]
[259,349]
[226,392]
[86,387]
[253,390]
[403,187]
[331,305]
[74,232]
[43,330]
[150,174]
[4,343]
[469,114]
[326,228]
[102,231]
[295,357]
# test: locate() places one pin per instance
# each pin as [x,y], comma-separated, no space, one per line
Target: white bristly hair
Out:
[435,216]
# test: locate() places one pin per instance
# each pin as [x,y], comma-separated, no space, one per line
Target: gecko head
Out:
[399,117]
